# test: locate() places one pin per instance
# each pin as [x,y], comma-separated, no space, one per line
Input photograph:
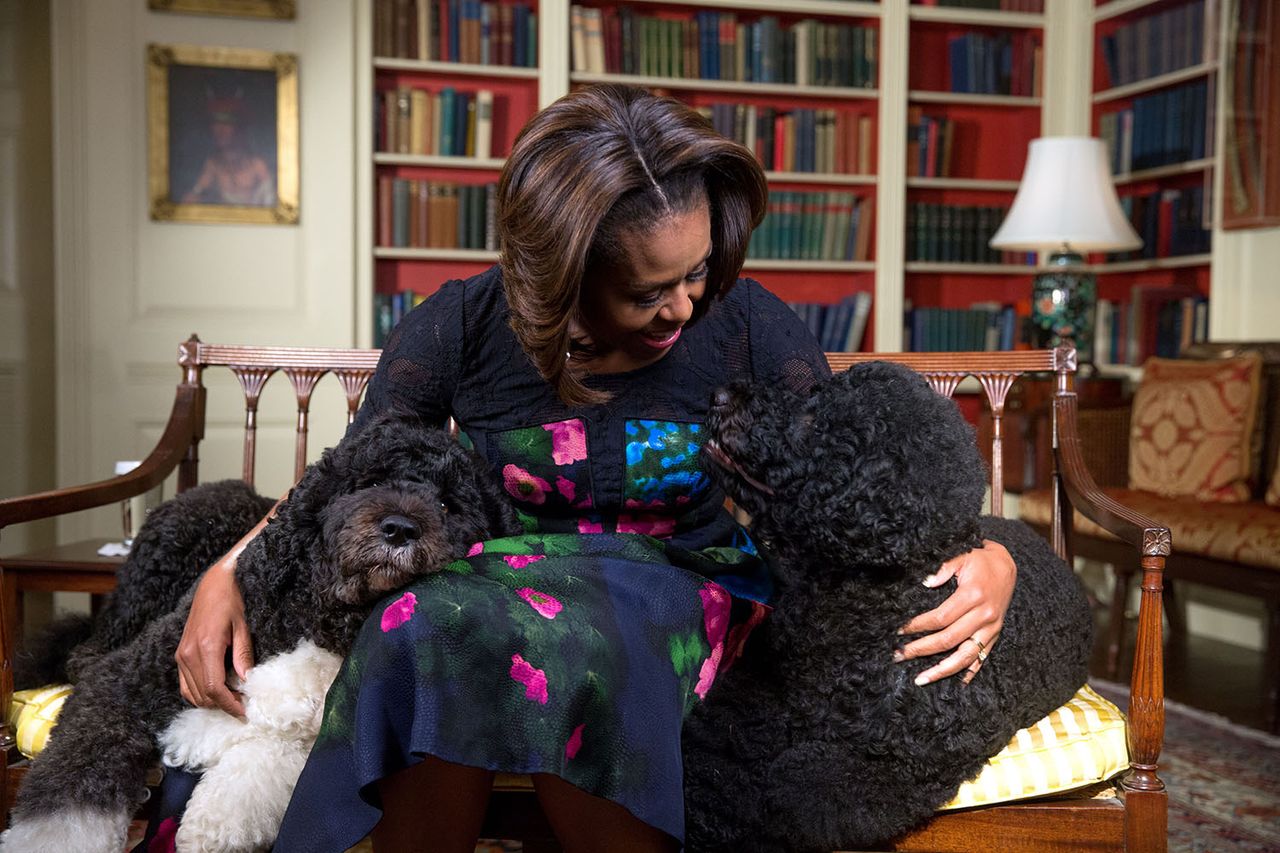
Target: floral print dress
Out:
[578,647]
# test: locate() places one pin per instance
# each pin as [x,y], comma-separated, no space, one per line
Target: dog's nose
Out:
[720,398]
[397,530]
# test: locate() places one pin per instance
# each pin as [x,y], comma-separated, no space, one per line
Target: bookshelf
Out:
[444,89]
[974,102]
[910,76]
[1154,86]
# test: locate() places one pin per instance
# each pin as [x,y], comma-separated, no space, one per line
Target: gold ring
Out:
[982,649]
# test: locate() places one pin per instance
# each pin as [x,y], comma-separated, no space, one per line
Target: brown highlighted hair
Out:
[597,162]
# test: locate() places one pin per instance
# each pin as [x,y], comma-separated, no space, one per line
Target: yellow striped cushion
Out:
[32,714]
[1081,743]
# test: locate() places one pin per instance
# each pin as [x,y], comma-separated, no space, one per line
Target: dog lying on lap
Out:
[390,503]
[817,740]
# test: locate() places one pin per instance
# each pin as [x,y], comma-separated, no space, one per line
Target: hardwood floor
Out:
[1208,674]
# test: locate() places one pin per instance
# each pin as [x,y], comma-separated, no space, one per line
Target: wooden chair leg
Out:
[1175,611]
[1115,628]
[1271,667]
[1146,821]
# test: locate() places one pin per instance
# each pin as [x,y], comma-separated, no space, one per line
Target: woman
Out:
[581,367]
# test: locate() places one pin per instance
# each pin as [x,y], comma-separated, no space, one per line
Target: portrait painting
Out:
[280,9]
[223,135]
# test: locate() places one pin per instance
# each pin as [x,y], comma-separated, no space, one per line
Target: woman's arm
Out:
[969,621]
[215,622]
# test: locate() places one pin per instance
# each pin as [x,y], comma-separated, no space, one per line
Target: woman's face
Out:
[634,310]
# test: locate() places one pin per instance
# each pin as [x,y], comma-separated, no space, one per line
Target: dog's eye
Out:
[444,507]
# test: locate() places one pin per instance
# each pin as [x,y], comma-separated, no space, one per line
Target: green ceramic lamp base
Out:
[1062,304]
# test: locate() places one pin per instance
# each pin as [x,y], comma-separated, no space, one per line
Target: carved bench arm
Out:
[1148,536]
[183,423]
[1145,731]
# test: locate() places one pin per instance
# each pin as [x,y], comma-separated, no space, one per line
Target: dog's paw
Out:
[238,804]
[285,694]
[71,830]
[198,736]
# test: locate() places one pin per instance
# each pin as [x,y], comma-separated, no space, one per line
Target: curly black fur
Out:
[314,573]
[817,740]
[179,540]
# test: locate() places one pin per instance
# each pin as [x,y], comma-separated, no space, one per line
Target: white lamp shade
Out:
[1066,197]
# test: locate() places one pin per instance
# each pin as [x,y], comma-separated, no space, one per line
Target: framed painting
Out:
[222,134]
[281,9]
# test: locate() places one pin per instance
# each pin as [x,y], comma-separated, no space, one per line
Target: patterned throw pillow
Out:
[1192,430]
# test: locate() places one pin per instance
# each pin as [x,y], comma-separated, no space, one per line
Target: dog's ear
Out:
[896,477]
[472,484]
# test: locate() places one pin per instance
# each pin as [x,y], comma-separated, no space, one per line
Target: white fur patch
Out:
[68,831]
[250,766]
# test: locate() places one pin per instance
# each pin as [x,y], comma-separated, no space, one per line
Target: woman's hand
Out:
[969,621]
[215,622]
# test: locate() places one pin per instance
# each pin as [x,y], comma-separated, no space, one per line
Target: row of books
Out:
[1156,321]
[840,327]
[1170,222]
[717,46]
[423,214]
[1003,64]
[814,226]
[950,233]
[388,309]
[798,140]
[982,327]
[1159,129]
[468,31]
[448,122]
[1034,6]
[929,141]
[1166,41]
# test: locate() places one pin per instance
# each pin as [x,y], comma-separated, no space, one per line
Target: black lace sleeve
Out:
[421,361]
[783,350]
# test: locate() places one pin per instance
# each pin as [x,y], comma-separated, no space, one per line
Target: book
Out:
[483,147]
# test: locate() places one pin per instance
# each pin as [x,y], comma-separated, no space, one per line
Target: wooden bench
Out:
[1135,819]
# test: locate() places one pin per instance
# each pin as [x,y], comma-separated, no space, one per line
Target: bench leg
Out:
[1115,627]
[1271,668]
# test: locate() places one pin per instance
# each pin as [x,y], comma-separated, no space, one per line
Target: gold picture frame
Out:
[222,134]
[281,9]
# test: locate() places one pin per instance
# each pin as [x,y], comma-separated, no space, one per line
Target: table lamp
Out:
[1066,203]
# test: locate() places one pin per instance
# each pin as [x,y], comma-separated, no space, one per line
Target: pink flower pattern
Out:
[715,617]
[166,837]
[574,743]
[568,441]
[707,674]
[475,549]
[523,486]
[399,612]
[519,561]
[586,525]
[566,488]
[534,680]
[546,605]
[651,525]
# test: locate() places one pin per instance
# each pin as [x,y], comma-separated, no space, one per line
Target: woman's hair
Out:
[598,163]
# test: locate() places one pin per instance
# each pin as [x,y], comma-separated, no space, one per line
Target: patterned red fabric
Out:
[1192,431]
[1240,533]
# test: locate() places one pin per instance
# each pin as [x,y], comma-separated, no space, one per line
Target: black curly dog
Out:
[816,740]
[394,501]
